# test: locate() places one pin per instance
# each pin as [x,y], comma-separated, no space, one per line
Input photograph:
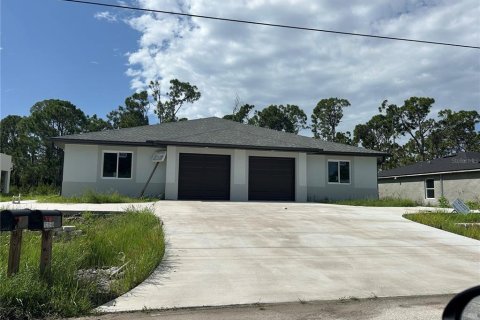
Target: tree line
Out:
[37,161]
[407,132]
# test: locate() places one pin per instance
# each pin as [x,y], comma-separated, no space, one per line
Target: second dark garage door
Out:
[271,178]
[204,177]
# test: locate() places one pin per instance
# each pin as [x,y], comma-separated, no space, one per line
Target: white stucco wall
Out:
[82,171]
[238,171]
[6,168]
[363,178]
[80,163]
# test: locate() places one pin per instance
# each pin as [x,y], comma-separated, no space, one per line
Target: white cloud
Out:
[265,65]
[106,15]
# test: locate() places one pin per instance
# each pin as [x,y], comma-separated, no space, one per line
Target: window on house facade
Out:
[338,171]
[117,165]
[430,189]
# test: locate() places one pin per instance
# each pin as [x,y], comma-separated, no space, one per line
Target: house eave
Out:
[59,141]
[427,174]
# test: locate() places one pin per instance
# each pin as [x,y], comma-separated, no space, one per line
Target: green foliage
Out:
[384,202]
[35,159]
[443,202]
[326,117]
[95,123]
[454,132]
[344,137]
[10,137]
[240,114]
[380,133]
[133,114]
[473,204]
[413,120]
[178,94]
[447,221]
[288,118]
[135,237]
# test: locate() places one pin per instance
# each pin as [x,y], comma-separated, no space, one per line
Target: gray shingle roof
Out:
[459,162]
[213,132]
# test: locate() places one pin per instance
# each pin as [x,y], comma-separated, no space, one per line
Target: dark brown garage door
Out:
[204,177]
[271,179]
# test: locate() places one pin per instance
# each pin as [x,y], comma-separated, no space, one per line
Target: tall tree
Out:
[454,132]
[9,133]
[344,137]
[240,114]
[289,118]
[11,143]
[51,118]
[414,121]
[326,117]
[133,114]
[179,93]
[95,123]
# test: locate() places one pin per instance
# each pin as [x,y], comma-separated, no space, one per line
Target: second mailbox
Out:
[45,220]
[11,220]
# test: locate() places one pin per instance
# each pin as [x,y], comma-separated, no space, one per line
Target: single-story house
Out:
[456,176]
[216,159]
[5,171]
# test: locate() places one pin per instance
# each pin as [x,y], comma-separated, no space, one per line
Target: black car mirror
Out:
[464,306]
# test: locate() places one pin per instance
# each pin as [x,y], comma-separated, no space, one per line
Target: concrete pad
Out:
[225,253]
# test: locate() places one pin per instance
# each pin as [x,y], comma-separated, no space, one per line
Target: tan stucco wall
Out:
[465,186]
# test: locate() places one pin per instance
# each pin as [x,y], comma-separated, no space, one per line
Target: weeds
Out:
[443,202]
[449,222]
[89,196]
[135,237]
[385,202]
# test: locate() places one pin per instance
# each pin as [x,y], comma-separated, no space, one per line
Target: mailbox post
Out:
[14,221]
[45,221]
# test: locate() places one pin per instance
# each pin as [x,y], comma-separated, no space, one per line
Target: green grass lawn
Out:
[446,221]
[87,197]
[385,202]
[135,237]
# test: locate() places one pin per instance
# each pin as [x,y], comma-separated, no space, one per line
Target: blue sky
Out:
[96,57]
[54,49]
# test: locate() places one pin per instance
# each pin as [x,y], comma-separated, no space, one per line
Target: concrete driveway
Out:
[224,253]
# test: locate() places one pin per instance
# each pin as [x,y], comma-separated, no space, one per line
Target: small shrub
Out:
[443,202]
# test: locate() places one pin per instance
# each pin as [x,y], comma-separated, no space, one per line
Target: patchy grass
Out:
[385,202]
[94,197]
[135,237]
[447,221]
[87,197]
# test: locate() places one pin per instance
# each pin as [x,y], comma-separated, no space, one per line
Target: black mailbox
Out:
[14,219]
[45,220]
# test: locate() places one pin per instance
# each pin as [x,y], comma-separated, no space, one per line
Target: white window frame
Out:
[338,166]
[426,189]
[118,157]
